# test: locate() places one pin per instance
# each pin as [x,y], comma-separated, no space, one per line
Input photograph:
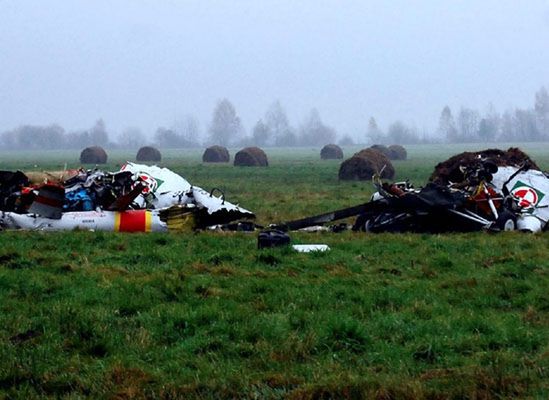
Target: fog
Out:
[145,64]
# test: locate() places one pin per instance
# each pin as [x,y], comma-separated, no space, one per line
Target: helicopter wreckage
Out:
[138,198]
[491,190]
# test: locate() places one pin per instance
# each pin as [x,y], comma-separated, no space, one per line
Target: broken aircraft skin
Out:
[529,189]
[489,197]
[138,198]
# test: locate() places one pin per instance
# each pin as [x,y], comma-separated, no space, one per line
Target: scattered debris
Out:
[215,154]
[37,177]
[11,184]
[49,201]
[489,190]
[239,226]
[331,152]
[272,238]
[277,238]
[251,157]
[337,228]
[138,198]
[308,248]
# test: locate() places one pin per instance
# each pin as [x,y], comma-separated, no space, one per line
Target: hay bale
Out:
[148,153]
[93,155]
[331,152]
[380,160]
[251,157]
[382,149]
[357,168]
[451,171]
[364,164]
[214,154]
[397,152]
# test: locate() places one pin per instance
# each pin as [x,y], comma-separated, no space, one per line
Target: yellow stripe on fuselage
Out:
[148,221]
[117,222]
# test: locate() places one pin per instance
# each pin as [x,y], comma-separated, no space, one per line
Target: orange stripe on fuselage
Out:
[133,221]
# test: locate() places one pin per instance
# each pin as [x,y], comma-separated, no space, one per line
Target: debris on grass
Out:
[138,198]
[490,190]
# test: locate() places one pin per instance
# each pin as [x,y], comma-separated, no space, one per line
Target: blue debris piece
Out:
[79,200]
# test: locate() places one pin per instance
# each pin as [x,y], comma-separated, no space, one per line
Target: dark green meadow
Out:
[207,315]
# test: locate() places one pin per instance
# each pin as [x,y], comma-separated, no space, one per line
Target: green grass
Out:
[102,315]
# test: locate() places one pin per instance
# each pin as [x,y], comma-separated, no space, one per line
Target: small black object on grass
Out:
[272,238]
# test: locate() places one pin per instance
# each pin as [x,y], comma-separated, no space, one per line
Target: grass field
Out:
[93,314]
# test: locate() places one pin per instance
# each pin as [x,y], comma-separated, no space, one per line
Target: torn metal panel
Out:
[164,188]
[49,202]
[309,248]
[530,190]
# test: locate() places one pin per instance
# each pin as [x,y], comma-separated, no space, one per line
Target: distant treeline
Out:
[470,126]
[274,129]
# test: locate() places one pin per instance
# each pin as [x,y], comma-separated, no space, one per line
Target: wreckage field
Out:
[208,315]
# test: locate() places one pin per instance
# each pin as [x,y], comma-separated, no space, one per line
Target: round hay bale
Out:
[364,164]
[251,157]
[331,152]
[397,152]
[451,169]
[214,154]
[382,149]
[93,155]
[357,168]
[148,153]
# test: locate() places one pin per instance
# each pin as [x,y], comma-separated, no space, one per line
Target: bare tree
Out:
[261,134]
[35,137]
[526,126]
[346,140]
[314,132]
[282,134]
[98,134]
[131,138]
[226,127]
[487,130]
[468,124]
[8,140]
[78,139]
[508,126]
[399,133]
[542,111]
[490,125]
[189,131]
[167,138]
[374,134]
[447,125]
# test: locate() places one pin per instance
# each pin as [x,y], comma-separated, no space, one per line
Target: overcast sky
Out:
[148,63]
